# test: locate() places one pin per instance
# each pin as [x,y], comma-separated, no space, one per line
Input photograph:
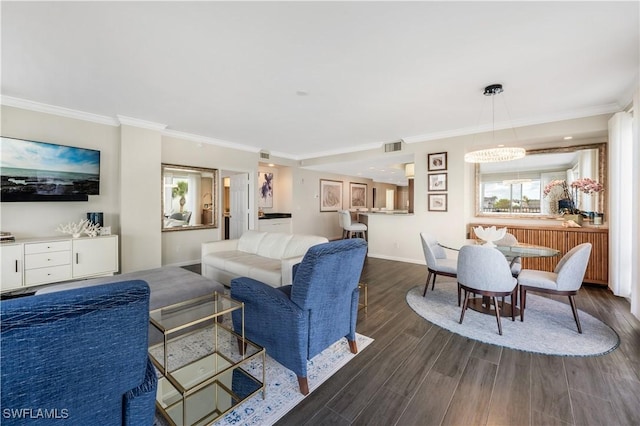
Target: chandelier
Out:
[500,152]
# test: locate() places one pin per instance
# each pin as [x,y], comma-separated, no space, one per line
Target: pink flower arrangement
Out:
[586,185]
[553,184]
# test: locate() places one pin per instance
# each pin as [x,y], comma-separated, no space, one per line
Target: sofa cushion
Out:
[250,241]
[299,244]
[273,245]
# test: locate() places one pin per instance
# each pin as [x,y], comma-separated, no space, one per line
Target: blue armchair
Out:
[296,322]
[78,357]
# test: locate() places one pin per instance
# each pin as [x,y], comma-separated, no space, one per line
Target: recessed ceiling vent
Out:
[393,146]
[264,155]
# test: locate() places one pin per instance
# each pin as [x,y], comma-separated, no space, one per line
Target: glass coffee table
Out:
[204,371]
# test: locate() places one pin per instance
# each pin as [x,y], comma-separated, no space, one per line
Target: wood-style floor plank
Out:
[376,387]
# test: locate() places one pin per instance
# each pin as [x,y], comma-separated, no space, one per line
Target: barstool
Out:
[349,228]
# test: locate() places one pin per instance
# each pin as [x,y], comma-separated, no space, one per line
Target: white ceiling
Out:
[308,79]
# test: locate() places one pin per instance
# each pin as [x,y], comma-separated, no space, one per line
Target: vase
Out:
[565,204]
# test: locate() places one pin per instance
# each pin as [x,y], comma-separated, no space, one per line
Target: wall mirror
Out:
[516,188]
[189,198]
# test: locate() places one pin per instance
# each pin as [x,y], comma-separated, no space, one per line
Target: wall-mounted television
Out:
[43,171]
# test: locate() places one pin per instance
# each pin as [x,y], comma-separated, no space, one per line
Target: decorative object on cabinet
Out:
[96,217]
[357,195]
[437,181]
[330,195]
[73,229]
[437,202]
[265,189]
[563,239]
[437,161]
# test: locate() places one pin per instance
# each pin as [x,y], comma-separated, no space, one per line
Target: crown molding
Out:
[211,141]
[57,110]
[143,124]
[583,113]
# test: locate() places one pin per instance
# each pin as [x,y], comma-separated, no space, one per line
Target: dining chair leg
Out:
[433,284]
[459,294]
[426,286]
[495,302]
[464,305]
[523,301]
[514,299]
[575,313]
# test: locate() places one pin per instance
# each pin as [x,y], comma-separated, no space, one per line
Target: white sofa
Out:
[265,256]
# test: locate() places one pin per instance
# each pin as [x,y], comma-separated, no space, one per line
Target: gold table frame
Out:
[207,376]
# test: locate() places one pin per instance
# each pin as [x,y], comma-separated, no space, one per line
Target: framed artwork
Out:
[358,195]
[330,195]
[437,202]
[437,181]
[265,189]
[437,161]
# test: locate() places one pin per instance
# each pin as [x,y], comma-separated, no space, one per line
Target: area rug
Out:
[548,327]
[282,391]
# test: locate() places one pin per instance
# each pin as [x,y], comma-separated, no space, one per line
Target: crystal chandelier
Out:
[501,152]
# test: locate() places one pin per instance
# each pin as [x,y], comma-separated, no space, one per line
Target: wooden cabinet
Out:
[38,261]
[12,264]
[563,239]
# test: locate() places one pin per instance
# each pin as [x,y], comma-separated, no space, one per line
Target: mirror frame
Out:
[602,171]
[214,198]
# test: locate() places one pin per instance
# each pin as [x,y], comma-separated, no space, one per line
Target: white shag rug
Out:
[282,390]
[548,327]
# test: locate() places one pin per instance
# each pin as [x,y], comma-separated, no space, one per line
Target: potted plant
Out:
[180,190]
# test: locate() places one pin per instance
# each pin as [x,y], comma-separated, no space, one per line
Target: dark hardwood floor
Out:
[416,373]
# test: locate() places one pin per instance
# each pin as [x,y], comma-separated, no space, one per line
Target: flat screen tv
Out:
[42,171]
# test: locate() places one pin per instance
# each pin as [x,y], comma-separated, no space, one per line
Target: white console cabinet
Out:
[32,262]
[12,265]
[275,225]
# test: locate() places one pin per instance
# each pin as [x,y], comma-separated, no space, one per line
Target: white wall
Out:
[40,219]
[183,247]
[140,189]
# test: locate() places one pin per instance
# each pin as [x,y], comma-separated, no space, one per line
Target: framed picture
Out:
[437,202]
[437,161]
[357,195]
[265,189]
[437,181]
[330,195]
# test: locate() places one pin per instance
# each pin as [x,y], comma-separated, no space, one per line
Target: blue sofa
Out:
[78,357]
[296,322]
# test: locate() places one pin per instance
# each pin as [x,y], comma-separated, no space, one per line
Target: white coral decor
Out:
[490,234]
[74,229]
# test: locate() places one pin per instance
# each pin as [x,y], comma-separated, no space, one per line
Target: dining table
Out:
[511,253]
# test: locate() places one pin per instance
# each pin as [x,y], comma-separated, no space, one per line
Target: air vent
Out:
[393,146]
[264,155]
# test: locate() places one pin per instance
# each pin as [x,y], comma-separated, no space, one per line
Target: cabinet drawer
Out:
[47,275]
[45,260]
[47,247]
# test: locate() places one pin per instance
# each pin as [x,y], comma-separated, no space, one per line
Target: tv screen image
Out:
[42,171]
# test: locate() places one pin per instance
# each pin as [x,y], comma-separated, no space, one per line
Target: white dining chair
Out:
[484,270]
[516,263]
[565,280]
[437,262]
